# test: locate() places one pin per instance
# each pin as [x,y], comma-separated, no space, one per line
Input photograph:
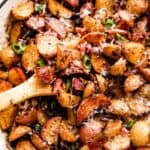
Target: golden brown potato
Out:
[68,100]
[102,82]
[146,73]
[59,10]
[27,118]
[15,32]
[132,82]
[5,85]
[25,145]
[39,143]
[23,10]
[140,133]
[67,133]
[7,117]
[50,130]
[92,25]
[112,51]
[71,116]
[30,57]
[18,132]
[137,6]
[41,117]
[112,128]
[3,75]
[108,4]
[66,56]
[145,91]
[118,68]
[89,89]
[91,131]
[85,147]
[133,52]
[16,76]
[8,57]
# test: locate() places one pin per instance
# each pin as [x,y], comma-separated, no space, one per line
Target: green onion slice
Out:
[87,62]
[18,48]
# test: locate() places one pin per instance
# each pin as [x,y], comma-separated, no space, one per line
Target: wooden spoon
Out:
[31,88]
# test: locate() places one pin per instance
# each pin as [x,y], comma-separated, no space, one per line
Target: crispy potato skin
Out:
[18,132]
[25,145]
[89,89]
[30,57]
[8,57]
[16,76]
[23,10]
[5,85]
[41,117]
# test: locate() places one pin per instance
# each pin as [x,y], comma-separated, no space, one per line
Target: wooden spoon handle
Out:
[31,88]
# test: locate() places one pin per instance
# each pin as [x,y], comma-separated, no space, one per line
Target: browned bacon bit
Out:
[73,3]
[46,74]
[89,104]
[77,84]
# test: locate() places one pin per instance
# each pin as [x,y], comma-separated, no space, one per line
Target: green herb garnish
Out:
[109,23]
[41,62]
[37,127]
[68,84]
[87,62]
[119,37]
[39,8]
[131,123]
[18,48]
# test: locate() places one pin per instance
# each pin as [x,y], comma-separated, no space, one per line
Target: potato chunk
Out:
[89,89]
[59,10]
[7,117]
[8,57]
[5,85]
[25,145]
[23,10]
[30,57]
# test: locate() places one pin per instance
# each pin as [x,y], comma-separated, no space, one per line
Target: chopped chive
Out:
[109,23]
[131,123]
[37,127]
[18,48]
[41,62]
[68,84]
[39,8]
[87,62]
[119,37]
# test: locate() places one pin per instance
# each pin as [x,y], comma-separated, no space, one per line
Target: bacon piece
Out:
[73,3]
[77,84]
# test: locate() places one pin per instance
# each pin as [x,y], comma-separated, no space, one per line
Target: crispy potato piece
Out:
[7,117]
[23,10]
[88,105]
[67,100]
[16,76]
[112,51]
[71,116]
[98,62]
[89,89]
[59,10]
[118,68]
[15,32]
[133,52]
[67,133]
[39,143]
[25,145]
[47,45]
[8,57]
[85,147]
[28,117]
[66,56]
[41,117]
[50,130]
[91,131]
[92,25]
[132,82]
[145,91]
[5,85]
[137,6]
[146,73]
[30,57]
[18,132]
[3,75]
[113,128]
[102,82]
[108,4]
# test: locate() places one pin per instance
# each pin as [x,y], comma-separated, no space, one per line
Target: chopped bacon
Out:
[77,84]
[73,3]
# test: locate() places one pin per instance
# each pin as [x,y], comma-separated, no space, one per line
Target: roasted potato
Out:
[23,10]
[145,91]
[30,57]
[113,128]
[18,132]
[50,130]
[132,82]
[146,73]
[28,117]
[137,6]
[41,117]
[15,32]
[8,57]
[5,85]
[91,131]
[3,75]
[7,117]
[67,100]
[16,76]
[59,10]
[88,105]
[67,133]
[39,143]
[89,89]
[140,133]
[118,68]
[85,147]
[71,116]
[25,145]
[133,52]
